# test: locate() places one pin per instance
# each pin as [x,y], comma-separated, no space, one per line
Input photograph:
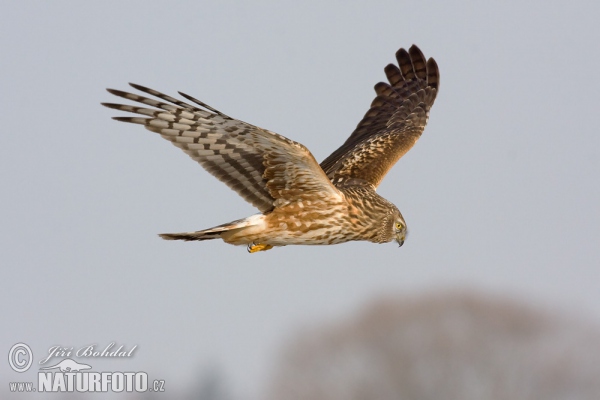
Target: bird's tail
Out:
[216,232]
[206,234]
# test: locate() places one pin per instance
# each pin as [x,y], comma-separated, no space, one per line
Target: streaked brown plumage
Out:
[301,202]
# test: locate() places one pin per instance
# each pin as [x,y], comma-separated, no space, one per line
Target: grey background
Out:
[501,193]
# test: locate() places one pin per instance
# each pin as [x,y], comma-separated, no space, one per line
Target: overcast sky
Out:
[501,193]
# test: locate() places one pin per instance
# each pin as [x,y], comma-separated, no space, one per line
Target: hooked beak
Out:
[400,239]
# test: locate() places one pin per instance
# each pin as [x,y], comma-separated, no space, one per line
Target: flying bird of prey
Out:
[300,201]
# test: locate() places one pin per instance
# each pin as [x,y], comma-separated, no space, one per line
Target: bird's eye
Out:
[399,226]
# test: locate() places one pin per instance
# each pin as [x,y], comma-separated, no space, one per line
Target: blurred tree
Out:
[446,346]
[210,386]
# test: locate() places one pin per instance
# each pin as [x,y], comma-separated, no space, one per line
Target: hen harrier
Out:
[300,201]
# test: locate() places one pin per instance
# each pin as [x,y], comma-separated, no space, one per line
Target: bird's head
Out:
[393,228]
[400,231]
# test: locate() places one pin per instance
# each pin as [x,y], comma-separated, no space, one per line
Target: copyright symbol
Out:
[20,357]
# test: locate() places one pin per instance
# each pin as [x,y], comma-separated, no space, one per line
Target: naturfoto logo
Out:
[68,375]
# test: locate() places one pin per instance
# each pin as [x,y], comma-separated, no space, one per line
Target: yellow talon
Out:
[253,248]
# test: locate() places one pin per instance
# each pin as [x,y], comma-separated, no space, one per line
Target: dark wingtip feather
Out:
[152,92]
[116,92]
[393,74]
[112,105]
[414,49]
[433,74]
[200,103]
[405,64]
[381,88]
[131,120]
[139,87]
[418,62]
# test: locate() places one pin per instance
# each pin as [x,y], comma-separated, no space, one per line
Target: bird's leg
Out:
[253,248]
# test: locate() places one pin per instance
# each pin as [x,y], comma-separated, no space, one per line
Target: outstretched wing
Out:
[265,168]
[392,125]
